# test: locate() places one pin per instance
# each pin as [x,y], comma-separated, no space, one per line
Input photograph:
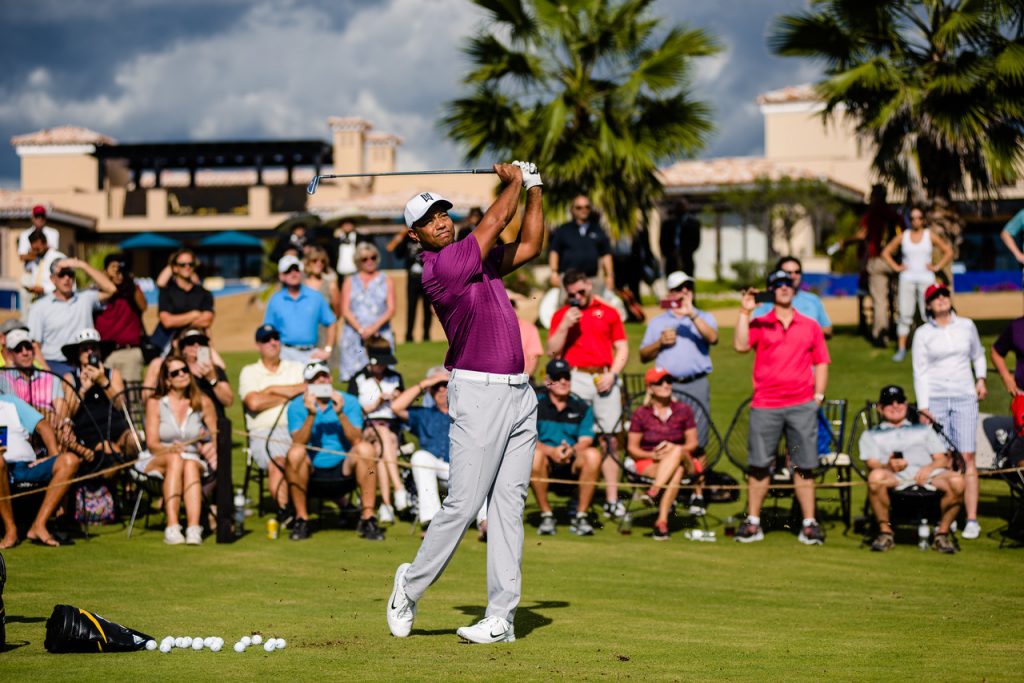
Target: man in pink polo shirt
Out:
[491,405]
[790,376]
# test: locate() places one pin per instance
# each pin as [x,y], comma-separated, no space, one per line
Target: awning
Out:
[150,240]
[231,238]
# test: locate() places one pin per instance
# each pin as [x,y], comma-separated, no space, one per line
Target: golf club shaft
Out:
[315,182]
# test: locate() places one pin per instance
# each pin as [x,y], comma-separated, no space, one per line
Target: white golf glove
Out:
[531,176]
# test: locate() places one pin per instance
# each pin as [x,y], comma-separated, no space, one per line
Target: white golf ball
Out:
[197,644]
[239,647]
[186,642]
[165,647]
[216,646]
[179,642]
[280,643]
[150,644]
[168,639]
[246,640]
[269,645]
[257,639]
[208,641]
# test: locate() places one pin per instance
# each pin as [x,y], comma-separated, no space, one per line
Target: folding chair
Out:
[1008,445]
[831,458]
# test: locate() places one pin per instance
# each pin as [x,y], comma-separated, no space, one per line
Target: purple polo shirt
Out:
[1012,340]
[473,307]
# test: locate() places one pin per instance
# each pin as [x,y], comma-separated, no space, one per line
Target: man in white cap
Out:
[492,407]
[298,311]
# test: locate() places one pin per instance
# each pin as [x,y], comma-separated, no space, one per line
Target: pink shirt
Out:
[784,359]
[473,307]
[531,340]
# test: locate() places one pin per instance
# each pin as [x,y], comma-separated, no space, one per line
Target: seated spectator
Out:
[41,390]
[6,356]
[181,437]
[266,386]
[662,439]
[565,448]
[430,464]
[900,454]
[54,319]
[206,366]
[183,302]
[120,320]
[91,391]
[327,444]
[377,385]
[21,464]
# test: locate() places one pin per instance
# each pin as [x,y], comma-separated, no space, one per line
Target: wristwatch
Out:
[213,382]
[819,397]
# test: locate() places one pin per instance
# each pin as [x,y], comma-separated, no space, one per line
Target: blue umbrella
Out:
[231,238]
[150,240]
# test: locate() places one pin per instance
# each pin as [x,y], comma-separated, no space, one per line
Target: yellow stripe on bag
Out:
[100,628]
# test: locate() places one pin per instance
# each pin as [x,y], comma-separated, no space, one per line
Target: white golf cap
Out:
[287,262]
[677,279]
[313,369]
[417,207]
[15,337]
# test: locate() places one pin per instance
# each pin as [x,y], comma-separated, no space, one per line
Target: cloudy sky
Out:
[168,70]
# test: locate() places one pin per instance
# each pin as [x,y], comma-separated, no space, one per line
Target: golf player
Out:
[491,405]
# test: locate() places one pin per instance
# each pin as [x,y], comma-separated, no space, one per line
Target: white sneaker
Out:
[971,530]
[401,500]
[193,535]
[489,630]
[401,610]
[173,536]
[385,515]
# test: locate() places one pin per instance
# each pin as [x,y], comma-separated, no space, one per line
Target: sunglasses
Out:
[291,269]
[271,337]
[190,342]
[578,292]
[660,382]
[88,348]
[177,373]
[559,378]
[581,207]
[368,258]
[685,285]
[23,347]
[65,272]
[185,264]
[441,385]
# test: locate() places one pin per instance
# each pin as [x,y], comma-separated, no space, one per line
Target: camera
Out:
[575,302]
[93,360]
[671,303]
[765,297]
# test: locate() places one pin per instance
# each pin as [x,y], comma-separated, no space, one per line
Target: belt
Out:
[300,348]
[691,378]
[593,370]
[491,377]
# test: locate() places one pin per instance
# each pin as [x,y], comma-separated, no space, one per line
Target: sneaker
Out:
[173,535]
[660,531]
[614,508]
[386,514]
[971,530]
[748,533]
[651,497]
[300,530]
[488,630]
[581,526]
[401,610]
[547,524]
[883,542]
[286,516]
[943,544]
[194,535]
[401,500]
[812,534]
[899,356]
[697,506]
[368,529]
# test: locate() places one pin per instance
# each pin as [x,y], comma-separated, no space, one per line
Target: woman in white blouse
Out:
[949,380]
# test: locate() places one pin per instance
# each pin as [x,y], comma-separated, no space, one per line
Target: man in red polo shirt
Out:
[589,335]
[790,376]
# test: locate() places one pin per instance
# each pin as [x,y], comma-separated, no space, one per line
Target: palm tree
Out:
[936,87]
[595,92]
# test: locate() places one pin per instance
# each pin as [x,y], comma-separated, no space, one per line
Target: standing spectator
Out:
[790,377]
[590,336]
[532,347]
[805,302]
[680,238]
[119,321]
[367,305]
[949,381]
[916,273]
[266,387]
[318,276]
[183,301]
[581,244]
[346,239]
[292,244]
[1011,340]
[410,250]
[25,250]
[298,312]
[55,318]
[37,269]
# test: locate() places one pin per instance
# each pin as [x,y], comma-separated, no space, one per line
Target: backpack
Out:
[94,505]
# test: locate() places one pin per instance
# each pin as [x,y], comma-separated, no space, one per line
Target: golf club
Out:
[315,182]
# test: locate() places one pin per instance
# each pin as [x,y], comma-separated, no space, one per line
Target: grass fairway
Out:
[607,607]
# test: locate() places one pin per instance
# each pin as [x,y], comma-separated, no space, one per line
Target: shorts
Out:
[263,448]
[800,423]
[20,472]
[908,480]
[642,464]
[958,416]
[334,478]
[607,407]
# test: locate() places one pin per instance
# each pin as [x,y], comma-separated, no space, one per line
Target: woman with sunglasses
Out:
[367,305]
[662,439]
[181,436]
[206,366]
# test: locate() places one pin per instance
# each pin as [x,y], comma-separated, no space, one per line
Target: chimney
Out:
[349,143]
[380,152]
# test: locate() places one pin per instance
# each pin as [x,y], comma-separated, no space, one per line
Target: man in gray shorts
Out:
[790,376]
[491,405]
[266,386]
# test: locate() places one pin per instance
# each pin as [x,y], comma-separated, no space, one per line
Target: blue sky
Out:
[166,70]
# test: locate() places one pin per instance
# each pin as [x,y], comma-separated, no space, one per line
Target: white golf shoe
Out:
[401,610]
[489,630]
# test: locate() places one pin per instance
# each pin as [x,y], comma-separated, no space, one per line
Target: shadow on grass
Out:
[528,618]
[9,645]
[24,620]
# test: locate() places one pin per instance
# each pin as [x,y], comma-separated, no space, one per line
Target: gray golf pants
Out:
[493,434]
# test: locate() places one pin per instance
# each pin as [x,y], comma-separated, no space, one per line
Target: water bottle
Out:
[923,532]
[239,512]
[626,524]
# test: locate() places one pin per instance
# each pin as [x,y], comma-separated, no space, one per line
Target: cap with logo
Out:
[890,394]
[265,332]
[937,289]
[677,279]
[288,262]
[312,370]
[417,207]
[16,337]
[655,375]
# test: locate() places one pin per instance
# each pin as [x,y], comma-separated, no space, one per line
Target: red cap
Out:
[38,210]
[935,290]
[655,374]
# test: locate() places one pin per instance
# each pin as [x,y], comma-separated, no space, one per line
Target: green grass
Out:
[607,607]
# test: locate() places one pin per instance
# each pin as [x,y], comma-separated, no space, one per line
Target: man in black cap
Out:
[900,454]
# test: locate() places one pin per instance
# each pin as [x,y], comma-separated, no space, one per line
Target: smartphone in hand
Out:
[3,436]
[320,390]
[203,354]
